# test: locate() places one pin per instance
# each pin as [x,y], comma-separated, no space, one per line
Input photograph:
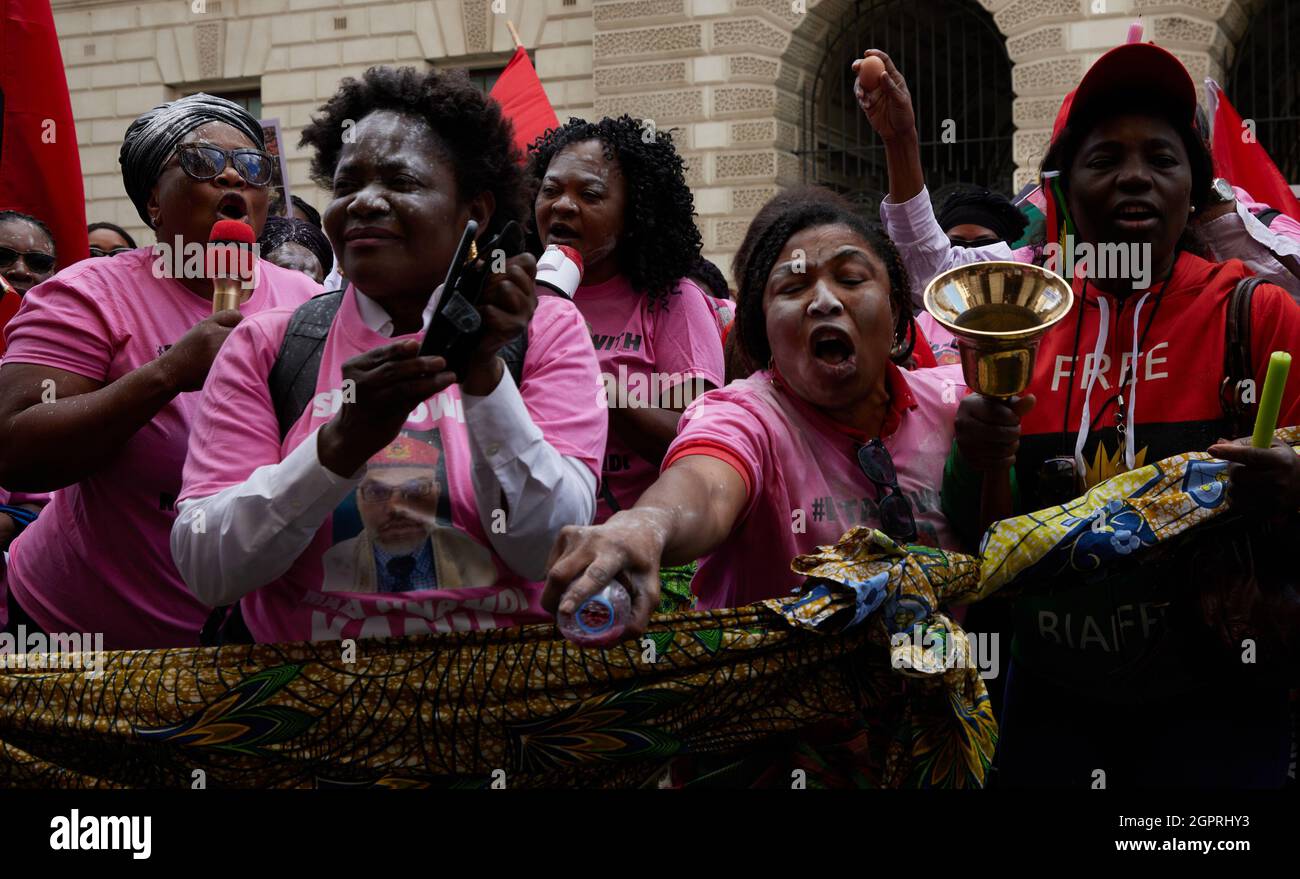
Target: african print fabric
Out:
[861,679]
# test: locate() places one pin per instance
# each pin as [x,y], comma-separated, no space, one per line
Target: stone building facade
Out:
[727,75]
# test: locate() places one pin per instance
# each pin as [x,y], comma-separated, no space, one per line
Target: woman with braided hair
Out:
[614,190]
[832,433]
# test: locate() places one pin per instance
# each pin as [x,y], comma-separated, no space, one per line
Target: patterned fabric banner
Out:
[865,652]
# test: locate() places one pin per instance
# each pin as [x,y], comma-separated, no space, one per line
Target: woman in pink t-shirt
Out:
[397,497]
[831,435]
[614,191]
[100,380]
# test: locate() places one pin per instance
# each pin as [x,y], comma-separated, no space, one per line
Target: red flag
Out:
[1244,162]
[40,168]
[524,102]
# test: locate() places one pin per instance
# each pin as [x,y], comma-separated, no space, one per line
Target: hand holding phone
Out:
[482,310]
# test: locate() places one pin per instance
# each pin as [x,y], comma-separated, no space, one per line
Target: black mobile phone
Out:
[457,326]
[455,317]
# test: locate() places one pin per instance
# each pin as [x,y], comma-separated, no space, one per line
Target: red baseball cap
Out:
[1143,67]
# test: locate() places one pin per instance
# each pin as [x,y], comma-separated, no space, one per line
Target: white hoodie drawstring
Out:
[1130,419]
[1085,421]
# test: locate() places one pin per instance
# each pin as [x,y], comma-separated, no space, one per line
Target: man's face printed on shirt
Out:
[399,506]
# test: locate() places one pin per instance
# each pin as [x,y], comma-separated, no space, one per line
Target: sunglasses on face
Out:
[204,162]
[378,492]
[896,518]
[35,260]
[98,251]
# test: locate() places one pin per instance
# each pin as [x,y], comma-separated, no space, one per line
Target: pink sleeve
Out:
[235,430]
[687,341]
[720,419]
[561,385]
[65,326]
[1286,227]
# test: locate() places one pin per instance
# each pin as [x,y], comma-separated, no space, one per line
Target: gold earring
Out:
[473,251]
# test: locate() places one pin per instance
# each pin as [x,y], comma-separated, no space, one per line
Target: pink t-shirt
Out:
[942,342]
[644,353]
[341,586]
[805,486]
[98,559]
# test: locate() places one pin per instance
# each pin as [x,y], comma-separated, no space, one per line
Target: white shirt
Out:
[254,531]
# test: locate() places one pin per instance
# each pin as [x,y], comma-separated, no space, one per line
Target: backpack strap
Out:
[293,377]
[1268,216]
[1237,361]
[513,354]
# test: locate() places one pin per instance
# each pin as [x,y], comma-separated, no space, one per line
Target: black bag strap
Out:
[293,377]
[1237,362]
[1268,216]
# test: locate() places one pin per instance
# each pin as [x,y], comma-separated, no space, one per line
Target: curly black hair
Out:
[7,215]
[660,241]
[1063,150]
[786,214]
[993,210]
[478,139]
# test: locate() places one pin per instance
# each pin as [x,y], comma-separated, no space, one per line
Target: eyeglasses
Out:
[204,161]
[896,516]
[378,492]
[96,251]
[34,259]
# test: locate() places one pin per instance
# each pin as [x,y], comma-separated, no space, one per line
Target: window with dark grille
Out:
[1264,82]
[955,63]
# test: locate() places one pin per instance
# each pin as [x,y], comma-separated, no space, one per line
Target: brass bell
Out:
[998,312]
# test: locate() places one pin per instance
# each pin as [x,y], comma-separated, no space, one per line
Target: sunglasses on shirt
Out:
[378,492]
[99,251]
[204,162]
[896,518]
[34,259]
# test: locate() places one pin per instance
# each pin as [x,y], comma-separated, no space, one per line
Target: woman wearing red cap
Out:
[1106,671]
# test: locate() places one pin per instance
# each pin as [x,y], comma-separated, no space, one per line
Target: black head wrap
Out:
[282,230]
[983,208]
[151,138]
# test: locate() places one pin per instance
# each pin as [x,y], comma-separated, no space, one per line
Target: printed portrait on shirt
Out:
[394,533]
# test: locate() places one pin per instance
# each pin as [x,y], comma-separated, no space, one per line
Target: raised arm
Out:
[888,107]
[907,214]
[688,511]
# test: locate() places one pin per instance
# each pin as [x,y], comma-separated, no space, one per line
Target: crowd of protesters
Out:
[295,468]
